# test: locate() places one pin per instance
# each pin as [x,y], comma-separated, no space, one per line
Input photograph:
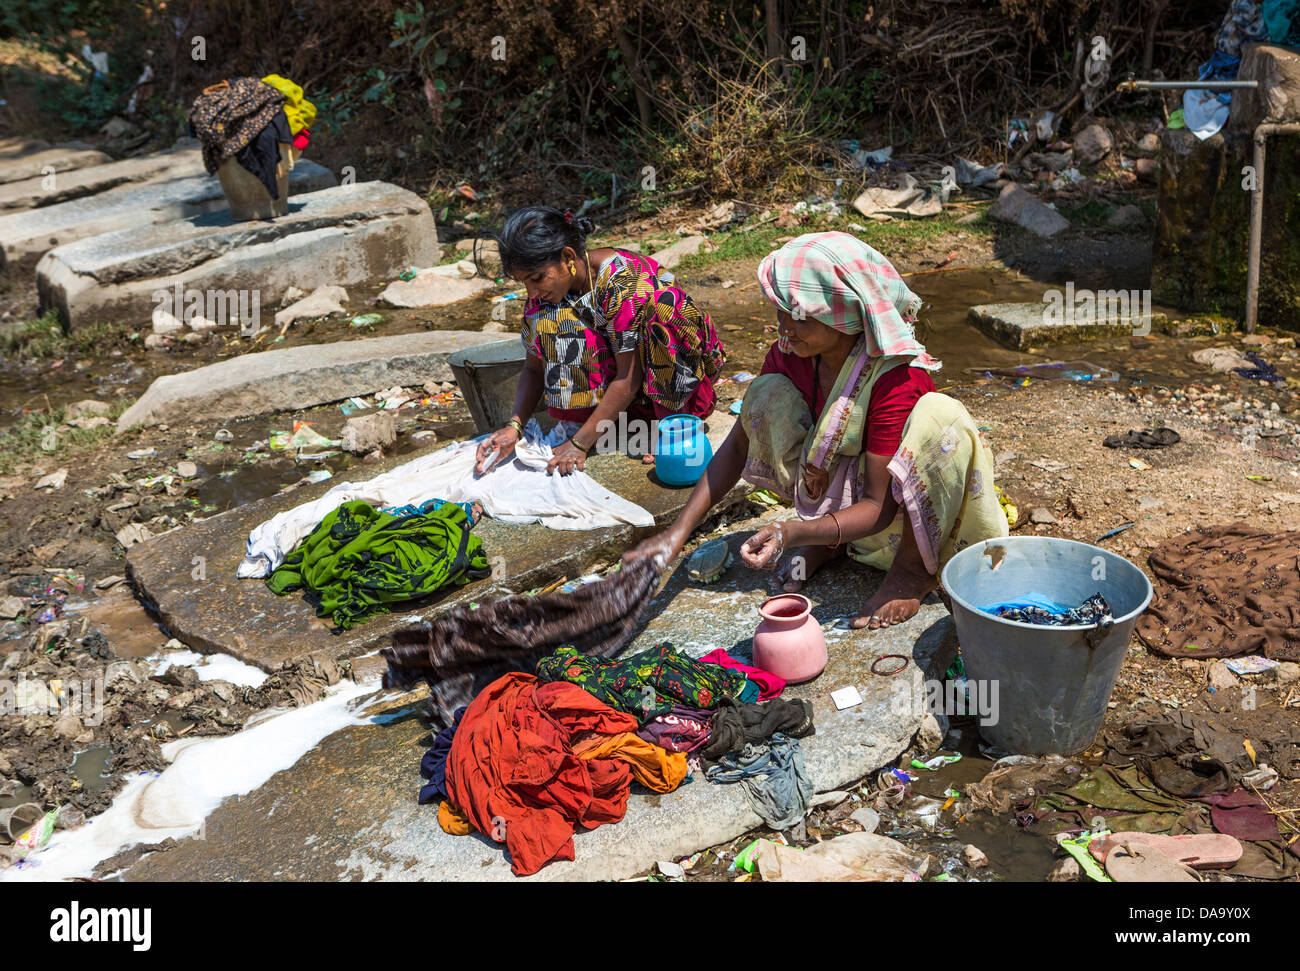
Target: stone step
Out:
[26,236]
[1025,325]
[222,613]
[364,232]
[40,191]
[42,160]
[300,377]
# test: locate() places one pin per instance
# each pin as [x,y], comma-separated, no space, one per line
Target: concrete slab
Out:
[221,613]
[43,161]
[359,233]
[26,236]
[348,811]
[300,377]
[1024,325]
[42,191]
[10,147]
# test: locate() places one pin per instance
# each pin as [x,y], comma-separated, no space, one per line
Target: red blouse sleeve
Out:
[892,400]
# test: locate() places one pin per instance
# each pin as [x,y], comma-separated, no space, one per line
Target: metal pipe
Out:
[1180,85]
[1257,217]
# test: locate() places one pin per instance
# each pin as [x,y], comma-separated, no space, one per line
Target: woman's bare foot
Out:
[798,566]
[897,600]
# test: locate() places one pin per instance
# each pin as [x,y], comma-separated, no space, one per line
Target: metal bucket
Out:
[488,376]
[1052,683]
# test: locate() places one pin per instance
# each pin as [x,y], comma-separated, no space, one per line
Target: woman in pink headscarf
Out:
[845,423]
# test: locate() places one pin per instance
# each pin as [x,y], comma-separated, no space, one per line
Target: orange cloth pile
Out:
[516,777]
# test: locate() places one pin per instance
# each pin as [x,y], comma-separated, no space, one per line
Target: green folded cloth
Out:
[359,560]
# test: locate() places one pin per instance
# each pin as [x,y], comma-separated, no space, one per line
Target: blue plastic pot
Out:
[682,450]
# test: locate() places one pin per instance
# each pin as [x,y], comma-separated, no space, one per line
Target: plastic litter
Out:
[1250,664]
[368,320]
[846,697]
[936,763]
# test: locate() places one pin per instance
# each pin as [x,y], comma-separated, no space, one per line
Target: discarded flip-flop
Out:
[1203,851]
[1134,862]
[1155,438]
[709,562]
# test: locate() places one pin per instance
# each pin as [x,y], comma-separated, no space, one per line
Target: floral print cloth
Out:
[648,684]
[229,115]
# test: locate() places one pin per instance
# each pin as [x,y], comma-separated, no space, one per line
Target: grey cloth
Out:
[773,775]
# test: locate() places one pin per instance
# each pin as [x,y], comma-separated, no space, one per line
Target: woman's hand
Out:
[762,550]
[501,441]
[662,546]
[567,459]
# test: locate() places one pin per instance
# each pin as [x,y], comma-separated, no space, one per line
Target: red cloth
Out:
[301,140]
[892,399]
[769,685]
[513,773]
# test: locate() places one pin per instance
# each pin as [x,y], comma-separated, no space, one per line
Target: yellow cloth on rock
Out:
[654,767]
[298,110]
[452,820]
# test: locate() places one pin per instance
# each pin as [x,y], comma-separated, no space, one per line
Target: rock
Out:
[1220,677]
[323,301]
[54,480]
[1066,871]
[36,192]
[826,800]
[1147,170]
[47,160]
[366,433]
[86,408]
[673,871]
[155,342]
[1052,161]
[194,337]
[1124,216]
[187,470]
[200,324]
[33,698]
[495,327]
[12,607]
[1288,672]
[485,251]
[1148,144]
[1018,207]
[370,458]
[67,726]
[299,377]
[346,235]
[166,324]
[435,287]
[99,421]
[133,533]
[973,856]
[670,256]
[292,296]
[929,736]
[867,818]
[1093,144]
[1043,516]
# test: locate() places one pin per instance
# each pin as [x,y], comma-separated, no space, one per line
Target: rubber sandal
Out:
[1204,851]
[1134,862]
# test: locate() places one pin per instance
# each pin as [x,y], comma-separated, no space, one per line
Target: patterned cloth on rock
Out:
[769,685]
[634,306]
[942,472]
[359,560]
[646,684]
[681,730]
[230,114]
[513,773]
[1224,591]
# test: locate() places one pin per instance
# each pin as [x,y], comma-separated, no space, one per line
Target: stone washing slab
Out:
[37,192]
[43,161]
[360,233]
[26,236]
[348,811]
[1024,325]
[299,377]
[221,613]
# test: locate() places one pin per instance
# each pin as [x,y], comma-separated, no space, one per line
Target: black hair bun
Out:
[584,225]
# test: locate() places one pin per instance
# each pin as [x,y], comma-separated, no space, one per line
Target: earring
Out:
[573,270]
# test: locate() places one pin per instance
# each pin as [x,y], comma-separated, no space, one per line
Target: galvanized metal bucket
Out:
[488,376]
[1051,684]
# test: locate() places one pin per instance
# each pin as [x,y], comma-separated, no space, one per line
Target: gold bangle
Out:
[574,442]
[516,424]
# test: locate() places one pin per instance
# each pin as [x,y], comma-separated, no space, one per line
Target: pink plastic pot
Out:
[789,642]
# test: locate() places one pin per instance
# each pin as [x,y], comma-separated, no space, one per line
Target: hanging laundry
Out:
[769,685]
[1034,608]
[261,156]
[359,560]
[298,110]
[773,775]
[461,651]
[513,773]
[1223,591]
[646,684]
[229,115]
[517,491]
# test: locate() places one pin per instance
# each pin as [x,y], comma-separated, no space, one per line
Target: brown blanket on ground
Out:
[1225,591]
[461,652]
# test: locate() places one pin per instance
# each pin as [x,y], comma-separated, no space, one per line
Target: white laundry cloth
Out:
[515,491]
[1204,112]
